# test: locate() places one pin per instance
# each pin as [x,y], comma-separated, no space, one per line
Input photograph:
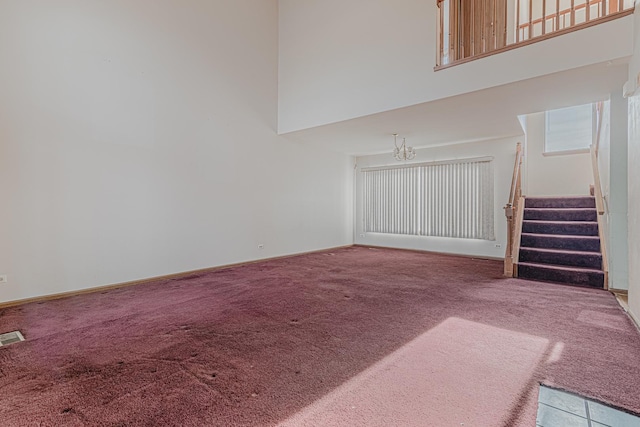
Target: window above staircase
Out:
[473,29]
[569,130]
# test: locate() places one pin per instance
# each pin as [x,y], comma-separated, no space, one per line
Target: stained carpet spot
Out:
[66,410]
[187,277]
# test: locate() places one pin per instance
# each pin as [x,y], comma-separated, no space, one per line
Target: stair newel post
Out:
[512,206]
[508,258]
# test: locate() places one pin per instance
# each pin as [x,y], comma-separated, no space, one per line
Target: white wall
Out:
[502,150]
[633,180]
[617,199]
[634,206]
[612,166]
[604,170]
[341,59]
[137,138]
[604,151]
[553,175]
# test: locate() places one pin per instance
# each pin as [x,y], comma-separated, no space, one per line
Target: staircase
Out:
[560,241]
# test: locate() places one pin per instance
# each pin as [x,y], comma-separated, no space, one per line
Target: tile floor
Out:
[561,409]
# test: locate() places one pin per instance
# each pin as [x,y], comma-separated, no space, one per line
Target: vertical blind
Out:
[446,199]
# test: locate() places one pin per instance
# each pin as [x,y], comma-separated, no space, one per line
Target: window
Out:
[446,199]
[568,129]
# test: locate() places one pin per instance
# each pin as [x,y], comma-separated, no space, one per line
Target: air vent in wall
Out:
[10,338]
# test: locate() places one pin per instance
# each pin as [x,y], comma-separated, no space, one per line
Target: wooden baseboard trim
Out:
[619,291]
[622,296]
[61,295]
[424,251]
[634,318]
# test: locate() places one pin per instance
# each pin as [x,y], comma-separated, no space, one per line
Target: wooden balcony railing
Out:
[469,29]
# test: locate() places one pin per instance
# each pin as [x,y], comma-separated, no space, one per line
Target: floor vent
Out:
[10,338]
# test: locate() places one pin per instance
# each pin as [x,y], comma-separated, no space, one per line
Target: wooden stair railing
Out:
[597,192]
[514,211]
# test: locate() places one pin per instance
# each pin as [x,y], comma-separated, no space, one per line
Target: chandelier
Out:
[403,152]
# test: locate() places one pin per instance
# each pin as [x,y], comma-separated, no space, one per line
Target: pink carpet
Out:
[419,338]
[458,373]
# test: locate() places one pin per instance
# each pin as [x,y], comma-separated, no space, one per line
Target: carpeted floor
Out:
[353,336]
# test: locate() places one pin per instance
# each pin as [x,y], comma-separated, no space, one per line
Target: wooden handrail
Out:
[594,160]
[516,174]
[599,116]
[511,211]
[597,191]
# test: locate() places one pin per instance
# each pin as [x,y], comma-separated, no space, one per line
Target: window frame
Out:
[376,221]
[572,151]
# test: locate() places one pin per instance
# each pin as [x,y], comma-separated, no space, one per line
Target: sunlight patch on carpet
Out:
[458,373]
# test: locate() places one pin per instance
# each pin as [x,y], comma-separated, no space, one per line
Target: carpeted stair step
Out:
[570,243]
[562,274]
[581,228]
[560,202]
[561,257]
[565,214]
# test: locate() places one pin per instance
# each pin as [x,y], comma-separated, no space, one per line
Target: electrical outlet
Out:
[261,246]
[498,245]
[3,278]
[362,235]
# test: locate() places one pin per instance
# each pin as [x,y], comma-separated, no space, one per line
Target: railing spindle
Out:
[530,19]
[518,21]
[497,18]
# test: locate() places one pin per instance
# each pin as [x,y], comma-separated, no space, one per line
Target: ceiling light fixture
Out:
[403,152]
